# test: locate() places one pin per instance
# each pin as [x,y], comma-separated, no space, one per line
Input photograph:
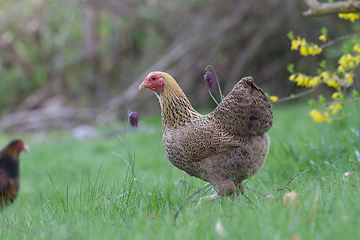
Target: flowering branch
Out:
[320,9]
[346,116]
[339,39]
[346,102]
[297,95]
[340,79]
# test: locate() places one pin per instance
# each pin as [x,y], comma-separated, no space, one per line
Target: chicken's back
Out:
[245,110]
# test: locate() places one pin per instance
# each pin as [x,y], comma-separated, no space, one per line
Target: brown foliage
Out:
[94,54]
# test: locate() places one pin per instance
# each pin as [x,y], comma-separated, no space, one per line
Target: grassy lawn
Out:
[81,190]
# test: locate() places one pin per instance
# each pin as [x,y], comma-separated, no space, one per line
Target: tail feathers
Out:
[245,110]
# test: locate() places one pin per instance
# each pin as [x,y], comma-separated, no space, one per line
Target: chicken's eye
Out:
[153,78]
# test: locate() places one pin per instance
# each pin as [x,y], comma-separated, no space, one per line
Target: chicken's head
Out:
[153,81]
[18,146]
[14,148]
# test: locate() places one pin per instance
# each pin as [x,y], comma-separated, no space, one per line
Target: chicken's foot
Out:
[237,185]
[207,198]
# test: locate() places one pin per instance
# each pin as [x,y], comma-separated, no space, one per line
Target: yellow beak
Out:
[26,148]
[143,85]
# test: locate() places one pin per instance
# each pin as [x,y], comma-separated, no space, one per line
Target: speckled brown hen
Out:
[223,147]
[9,171]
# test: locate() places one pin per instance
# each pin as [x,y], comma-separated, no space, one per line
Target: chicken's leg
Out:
[227,189]
[241,187]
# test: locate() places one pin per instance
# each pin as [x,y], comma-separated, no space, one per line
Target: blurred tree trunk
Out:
[17,59]
[91,48]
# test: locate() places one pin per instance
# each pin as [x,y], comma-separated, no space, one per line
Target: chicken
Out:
[224,147]
[9,170]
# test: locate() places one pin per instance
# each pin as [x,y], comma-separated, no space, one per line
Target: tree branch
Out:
[320,9]
[180,47]
[48,117]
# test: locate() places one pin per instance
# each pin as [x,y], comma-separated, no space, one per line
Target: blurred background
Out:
[64,63]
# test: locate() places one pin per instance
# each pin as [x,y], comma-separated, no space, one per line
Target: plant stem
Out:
[217,80]
[213,98]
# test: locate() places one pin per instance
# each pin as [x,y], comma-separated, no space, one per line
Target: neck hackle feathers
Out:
[176,108]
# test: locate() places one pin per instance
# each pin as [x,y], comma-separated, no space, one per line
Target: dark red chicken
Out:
[9,170]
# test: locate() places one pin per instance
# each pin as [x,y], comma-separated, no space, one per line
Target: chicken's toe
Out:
[207,198]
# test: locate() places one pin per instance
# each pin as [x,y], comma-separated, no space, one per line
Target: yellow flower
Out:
[341,69]
[330,80]
[274,98]
[292,77]
[303,50]
[319,116]
[336,95]
[314,81]
[356,59]
[335,107]
[345,59]
[349,77]
[313,50]
[295,43]
[326,118]
[351,64]
[349,16]
[357,48]
[316,115]
[302,80]
[332,83]
[323,38]
[325,75]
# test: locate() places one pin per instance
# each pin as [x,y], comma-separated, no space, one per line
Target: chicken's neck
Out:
[10,164]
[10,153]
[176,109]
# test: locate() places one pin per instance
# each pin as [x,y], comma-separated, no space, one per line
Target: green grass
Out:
[81,190]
